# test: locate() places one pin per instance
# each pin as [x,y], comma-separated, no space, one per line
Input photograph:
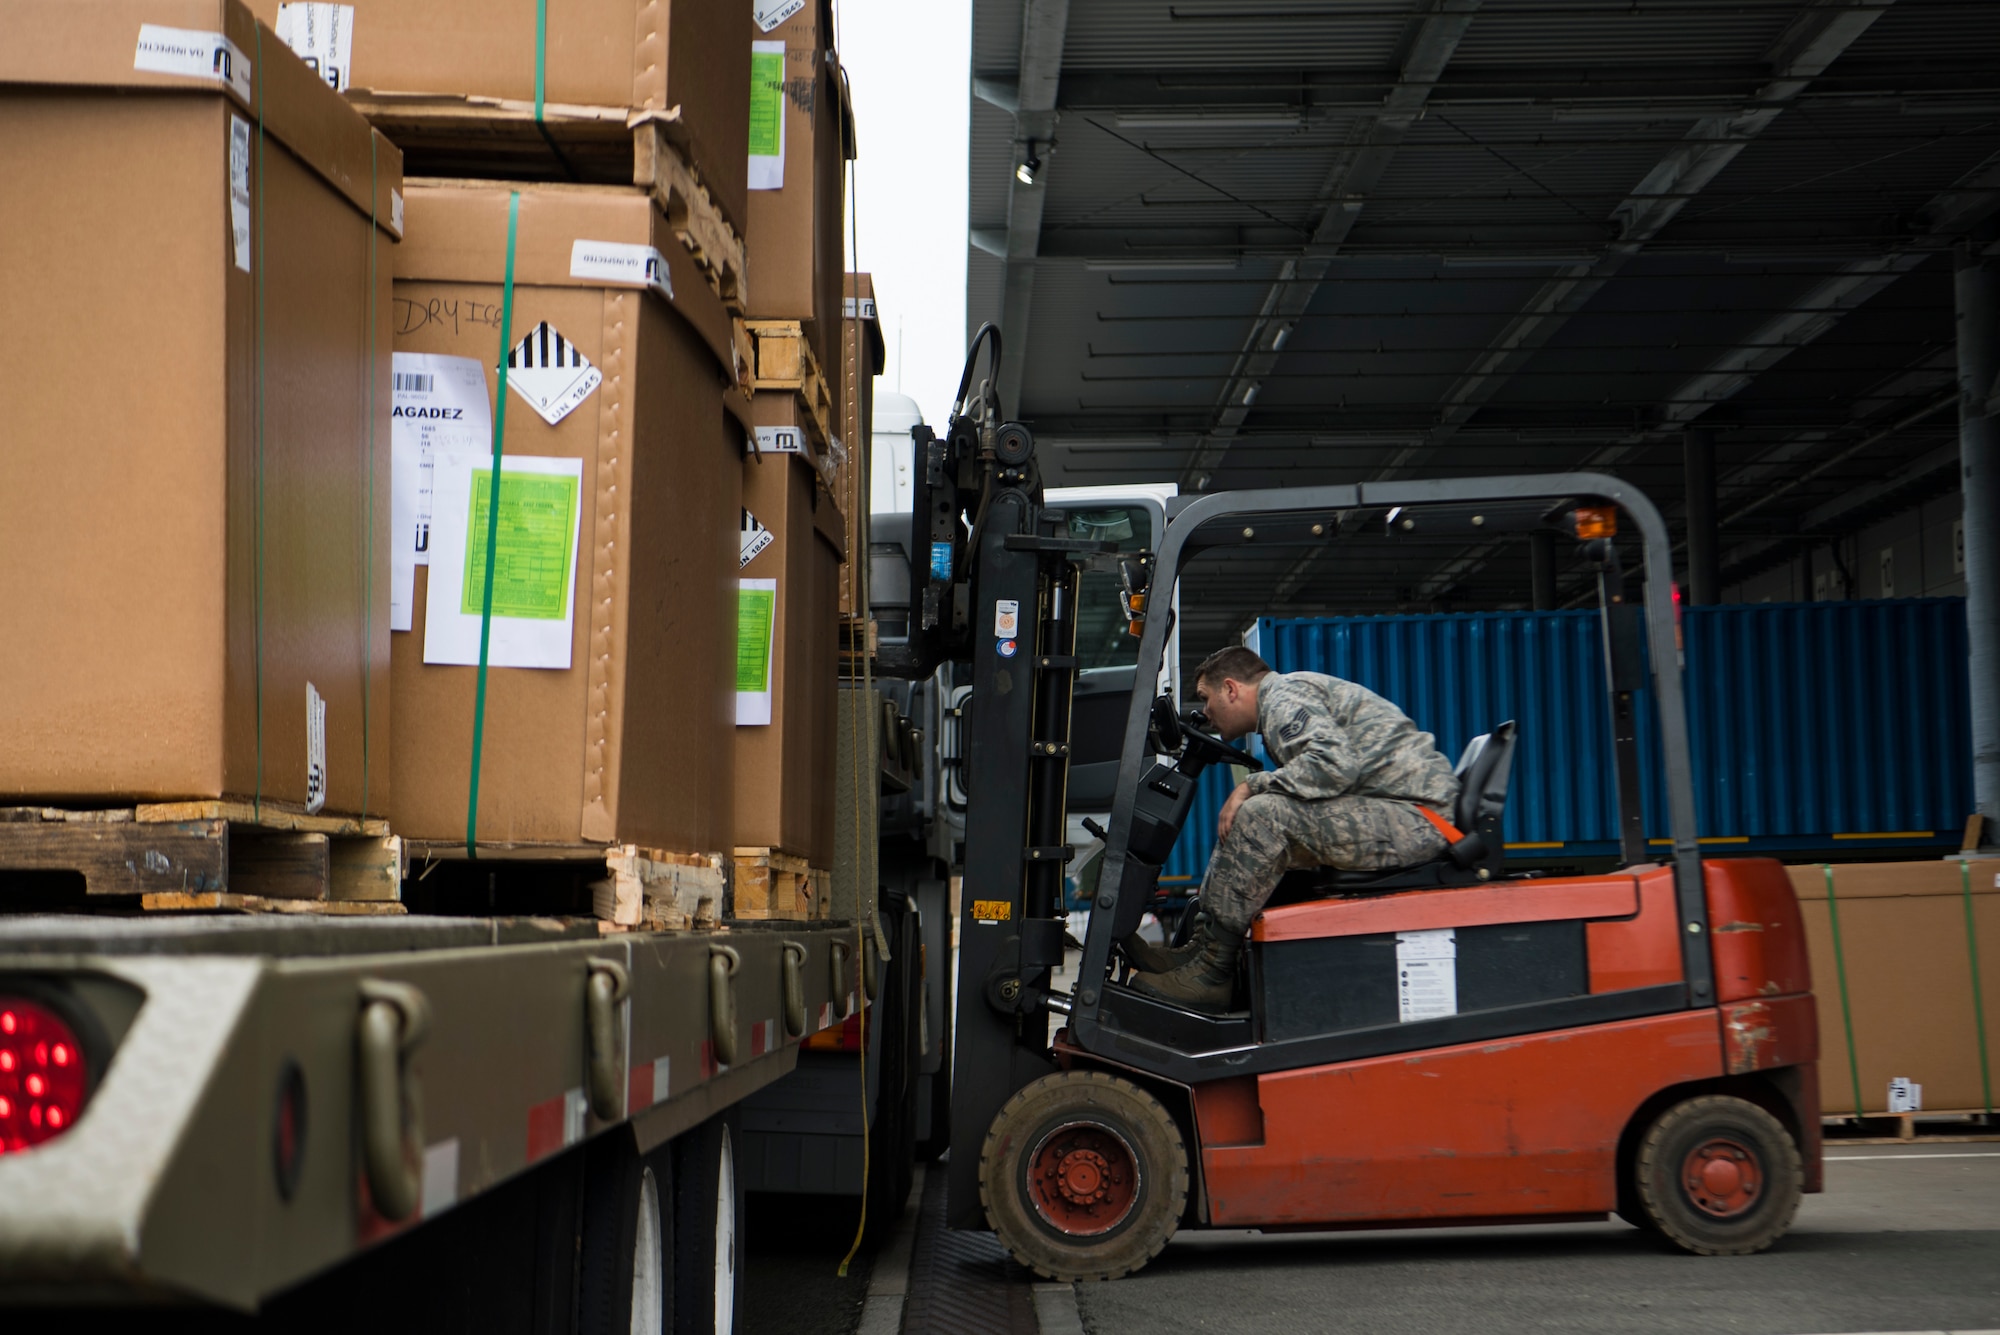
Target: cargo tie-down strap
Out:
[492,530]
[1972,960]
[542,85]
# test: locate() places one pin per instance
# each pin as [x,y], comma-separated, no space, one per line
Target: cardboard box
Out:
[633,741]
[796,234]
[679,59]
[784,792]
[196,454]
[1905,955]
[861,360]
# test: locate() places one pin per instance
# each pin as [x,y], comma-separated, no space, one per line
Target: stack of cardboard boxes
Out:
[196,247]
[254,464]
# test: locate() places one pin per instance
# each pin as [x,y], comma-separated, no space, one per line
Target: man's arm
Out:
[1323,764]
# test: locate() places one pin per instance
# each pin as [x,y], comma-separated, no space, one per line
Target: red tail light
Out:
[43,1077]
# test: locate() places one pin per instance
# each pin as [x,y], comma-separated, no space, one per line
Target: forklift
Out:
[1449,1044]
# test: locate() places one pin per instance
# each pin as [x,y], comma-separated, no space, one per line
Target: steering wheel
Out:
[1170,734]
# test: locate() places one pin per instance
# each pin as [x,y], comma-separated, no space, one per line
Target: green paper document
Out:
[531,568]
[756,623]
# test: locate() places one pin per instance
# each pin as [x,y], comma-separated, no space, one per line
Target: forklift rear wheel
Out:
[1718,1176]
[1084,1176]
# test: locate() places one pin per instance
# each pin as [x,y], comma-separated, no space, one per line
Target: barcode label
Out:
[414,384]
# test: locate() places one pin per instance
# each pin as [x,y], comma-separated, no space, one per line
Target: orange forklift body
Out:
[1529,1127]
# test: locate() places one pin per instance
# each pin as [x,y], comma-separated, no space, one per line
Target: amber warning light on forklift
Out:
[42,1075]
[1594,521]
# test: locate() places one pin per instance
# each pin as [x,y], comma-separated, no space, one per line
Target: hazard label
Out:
[551,373]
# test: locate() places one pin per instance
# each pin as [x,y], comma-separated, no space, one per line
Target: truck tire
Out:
[1084,1175]
[626,1279]
[708,1222]
[1718,1176]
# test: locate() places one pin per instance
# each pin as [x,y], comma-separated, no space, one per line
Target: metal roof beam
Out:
[1433,39]
[1043,26]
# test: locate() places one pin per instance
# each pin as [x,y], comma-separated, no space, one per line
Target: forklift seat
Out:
[1483,770]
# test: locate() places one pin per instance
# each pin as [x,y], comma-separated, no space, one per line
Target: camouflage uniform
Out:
[1351,769]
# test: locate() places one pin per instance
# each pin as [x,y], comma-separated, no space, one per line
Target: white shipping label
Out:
[1426,975]
[551,373]
[396,211]
[239,189]
[315,750]
[1006,618]
[193,54]
[322,35]
[1905,1095]
[858,308]
[781,440]
[755,539]
[621,262]
[770,13]
[437,403]
[532,575]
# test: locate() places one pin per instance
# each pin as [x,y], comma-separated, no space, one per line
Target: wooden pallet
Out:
[629,886]
[775,886]
[211,855]
[500,138]
[1972,1124]
[783,363]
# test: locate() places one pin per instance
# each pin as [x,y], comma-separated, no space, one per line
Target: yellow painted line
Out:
[1891,834]
[1554,845]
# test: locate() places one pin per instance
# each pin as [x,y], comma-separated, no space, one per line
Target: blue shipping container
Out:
[1813,725]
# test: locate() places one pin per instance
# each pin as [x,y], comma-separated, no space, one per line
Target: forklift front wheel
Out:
[1084,1175]
[1718,1176]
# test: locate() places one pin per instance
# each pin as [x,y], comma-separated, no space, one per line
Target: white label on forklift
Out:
[315,750]
[1426,975]
[662,1079]
[322,35]
[193,54]
[440,1176]
[1006,618]
[239,189]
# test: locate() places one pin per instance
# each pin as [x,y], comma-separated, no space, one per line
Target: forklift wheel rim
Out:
[1722,1177]
[1083,1179]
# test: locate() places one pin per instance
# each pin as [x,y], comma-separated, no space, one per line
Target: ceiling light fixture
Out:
[1025,173]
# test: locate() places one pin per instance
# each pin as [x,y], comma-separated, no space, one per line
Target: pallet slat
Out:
[491,137]
[777,886]
[167,851]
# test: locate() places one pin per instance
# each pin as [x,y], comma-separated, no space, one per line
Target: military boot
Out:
[1207,980]
[1149,958]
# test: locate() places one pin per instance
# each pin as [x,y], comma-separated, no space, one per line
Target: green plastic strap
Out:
[257,583]
[492,529]
[368,558]
[542,89]
[1840,974]
[1978,1001]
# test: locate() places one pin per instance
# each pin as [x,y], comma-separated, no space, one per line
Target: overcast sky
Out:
[909,64]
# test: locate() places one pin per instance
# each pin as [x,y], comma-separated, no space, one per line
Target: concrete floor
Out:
[1905,1239]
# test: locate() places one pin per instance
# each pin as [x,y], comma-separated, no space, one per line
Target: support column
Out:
[1542,570]
[1977,290]
[1703,569]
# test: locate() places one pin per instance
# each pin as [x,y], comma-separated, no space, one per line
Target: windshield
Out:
[1102,640]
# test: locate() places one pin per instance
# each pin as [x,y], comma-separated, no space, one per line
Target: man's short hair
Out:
[1232,664]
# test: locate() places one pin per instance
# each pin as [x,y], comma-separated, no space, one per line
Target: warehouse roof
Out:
[1275,242]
